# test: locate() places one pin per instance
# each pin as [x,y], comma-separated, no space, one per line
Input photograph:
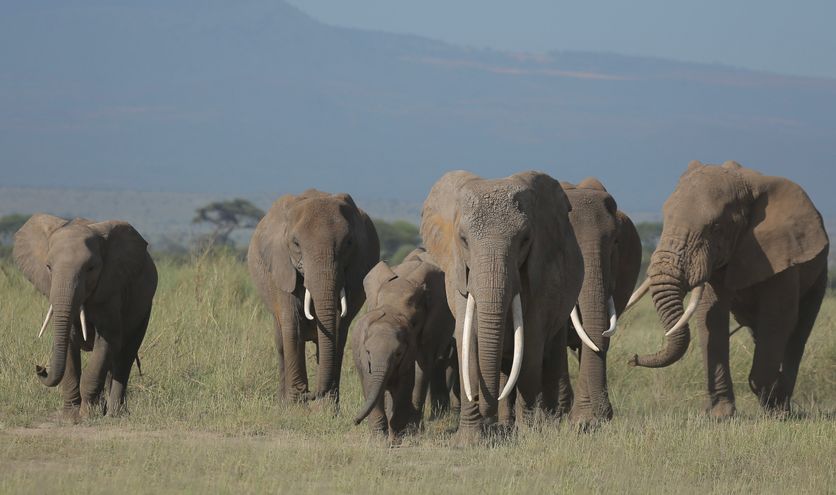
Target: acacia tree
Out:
[227,216]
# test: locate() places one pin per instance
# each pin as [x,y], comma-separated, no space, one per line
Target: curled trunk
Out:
[64,311]
[374,392]
[668,293]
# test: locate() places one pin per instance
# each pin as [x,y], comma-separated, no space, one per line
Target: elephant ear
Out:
[30,248]
[375,279]
[124,255]
[271,241]
[366,242]
[555,256]
[784,230]
[439,218]
[628,254]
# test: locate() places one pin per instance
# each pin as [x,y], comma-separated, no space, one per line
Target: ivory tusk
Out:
[696,295]
[516,364]
[640,292]
[613,319]
[46,321]
[308,314]
[343,303]
[83,319]
[576,322]
[466,334]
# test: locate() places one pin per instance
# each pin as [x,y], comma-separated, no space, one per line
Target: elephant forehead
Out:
[493,210]
[73,236]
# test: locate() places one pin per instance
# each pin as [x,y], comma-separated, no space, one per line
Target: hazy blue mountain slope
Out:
[255,96]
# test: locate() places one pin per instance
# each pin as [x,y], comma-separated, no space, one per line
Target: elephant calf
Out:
[100,281]
[402,342]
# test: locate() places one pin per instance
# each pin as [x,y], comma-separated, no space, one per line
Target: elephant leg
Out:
[551,378]
[530,383]
[808,310]
[439,391]
[70,391]
[776,320]
[712,321]
[404,415]
[451,376]
[565,396]
[506,405]
[291,352]
[123,359]
[422,385]
[93,378]
[470,420]
[279,340]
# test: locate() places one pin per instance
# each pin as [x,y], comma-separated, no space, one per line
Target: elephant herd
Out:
[512,271]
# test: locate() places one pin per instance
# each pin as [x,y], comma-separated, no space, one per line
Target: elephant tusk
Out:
[640,292]
[613,319]
[46,321]
[696,295]
[576,322]
[516,364]
[343,303]
[466,332]
[83,318]
[308,314]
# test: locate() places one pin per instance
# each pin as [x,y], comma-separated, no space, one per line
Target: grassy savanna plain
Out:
[204,416]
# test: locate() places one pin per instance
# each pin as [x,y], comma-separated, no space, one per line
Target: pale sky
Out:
[792,37]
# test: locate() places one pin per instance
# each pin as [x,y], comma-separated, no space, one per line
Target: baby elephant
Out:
[100,281]
[402,342]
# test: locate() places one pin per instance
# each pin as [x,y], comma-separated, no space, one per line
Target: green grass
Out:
[204,416]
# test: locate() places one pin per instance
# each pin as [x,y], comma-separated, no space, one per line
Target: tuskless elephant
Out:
[307,258]
[748,244]
[513,273]
[100,281]
[612,254]
[402,342]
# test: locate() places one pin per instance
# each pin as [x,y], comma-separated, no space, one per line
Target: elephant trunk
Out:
[374,393]
[493,296]
[667,292]
[65,308]
[594,308]
[326,298]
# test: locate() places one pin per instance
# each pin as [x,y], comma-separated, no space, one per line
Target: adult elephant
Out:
[612,254]
[513,273]
[100,281]
[307,258]
[748,244]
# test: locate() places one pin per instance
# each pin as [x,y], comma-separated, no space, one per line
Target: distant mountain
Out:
[255,97]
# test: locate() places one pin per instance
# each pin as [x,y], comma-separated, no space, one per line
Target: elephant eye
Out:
[49,267]
[463,238]
[91,268]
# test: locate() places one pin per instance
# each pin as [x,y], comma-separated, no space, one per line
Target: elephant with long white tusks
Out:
[745,244]
[513,269]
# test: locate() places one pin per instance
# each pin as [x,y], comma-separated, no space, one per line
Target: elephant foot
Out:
[90,409]
[466,437]
[721,410]
[586,420]
[325,405]
[69,415]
